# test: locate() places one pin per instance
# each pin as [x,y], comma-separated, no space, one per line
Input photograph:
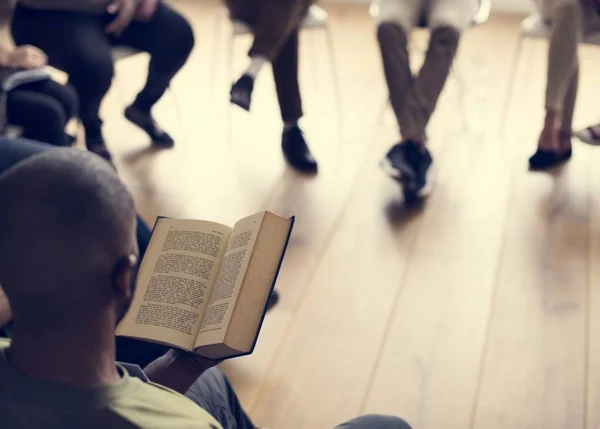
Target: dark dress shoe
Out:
[546,159]
[241,92]
[146,122]
[296,152]
[98,146]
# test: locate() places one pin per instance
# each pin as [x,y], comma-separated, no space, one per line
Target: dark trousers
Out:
[275,25]
[43,109]
[77,43]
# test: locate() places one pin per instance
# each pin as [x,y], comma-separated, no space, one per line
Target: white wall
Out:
[513,6]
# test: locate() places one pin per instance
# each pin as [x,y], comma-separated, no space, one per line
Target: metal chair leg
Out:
[230,65]
[336,81]
[460,88]
[511,85]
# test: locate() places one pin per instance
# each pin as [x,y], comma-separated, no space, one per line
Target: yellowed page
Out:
[174,282]
[229,280]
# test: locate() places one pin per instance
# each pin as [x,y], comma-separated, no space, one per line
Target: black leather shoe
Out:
[296,152]
[546,159]
[98,146]
[146,122]
[241,92]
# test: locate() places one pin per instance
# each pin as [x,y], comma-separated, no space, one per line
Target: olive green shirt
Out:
[27,403]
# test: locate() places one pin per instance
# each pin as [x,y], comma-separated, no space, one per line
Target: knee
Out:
[180,37]
[386,422]
[391,33]
[185,38]
[376,421]
[445,36]
[52,115]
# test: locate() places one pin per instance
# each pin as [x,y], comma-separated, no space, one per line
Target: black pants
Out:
[43,109]
[77,43]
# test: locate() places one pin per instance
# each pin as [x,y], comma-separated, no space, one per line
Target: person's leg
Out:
[562,66]
[273,22]
[375,421]
[169,39]
[408,162]
[77,44]
[41,116]
[393,44]
[64,94]
[285,72]
[566,126]
[214,394]
[427,86]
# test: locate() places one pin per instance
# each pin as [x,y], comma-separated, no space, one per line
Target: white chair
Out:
[481,17]
[534,27]
[316,18]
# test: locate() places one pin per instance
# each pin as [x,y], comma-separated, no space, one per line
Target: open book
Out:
[204,287]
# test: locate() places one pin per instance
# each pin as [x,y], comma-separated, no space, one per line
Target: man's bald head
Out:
[66,222]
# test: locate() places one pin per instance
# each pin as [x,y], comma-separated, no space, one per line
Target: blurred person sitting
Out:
[68,260]
[39,105]
[414,98]
[275,25]
[571,21]
[78,36]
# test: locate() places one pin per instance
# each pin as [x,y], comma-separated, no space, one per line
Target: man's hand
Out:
[27,57]
[125,11]
[146,10]
[178,370]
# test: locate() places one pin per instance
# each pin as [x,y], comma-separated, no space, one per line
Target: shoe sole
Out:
[403,174]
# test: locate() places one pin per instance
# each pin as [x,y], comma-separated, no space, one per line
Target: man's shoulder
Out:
[155,406]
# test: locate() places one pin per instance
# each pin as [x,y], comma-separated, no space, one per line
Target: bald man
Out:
[68,259]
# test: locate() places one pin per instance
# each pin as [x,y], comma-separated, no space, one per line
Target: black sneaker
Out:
[412,166]
[241,92]
[96,144]
[296,152]
[146,122]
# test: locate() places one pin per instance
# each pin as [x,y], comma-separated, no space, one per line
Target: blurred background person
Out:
[40,106]
[275,25]
[414,98]
[571,20]
[78,35]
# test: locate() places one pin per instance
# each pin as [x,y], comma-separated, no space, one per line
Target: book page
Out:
[174,282]
[229,280]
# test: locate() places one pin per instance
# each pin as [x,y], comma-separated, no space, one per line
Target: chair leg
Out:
[511,85]
[460,89]
[336,81]
[178,112]
[384,107]
[229,108]
[215,48]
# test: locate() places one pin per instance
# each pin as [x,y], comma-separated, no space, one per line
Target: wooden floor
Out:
[480,309]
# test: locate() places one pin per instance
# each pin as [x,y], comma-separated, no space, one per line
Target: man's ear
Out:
[124,276]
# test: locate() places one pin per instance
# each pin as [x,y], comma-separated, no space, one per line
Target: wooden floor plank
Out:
[533,374]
